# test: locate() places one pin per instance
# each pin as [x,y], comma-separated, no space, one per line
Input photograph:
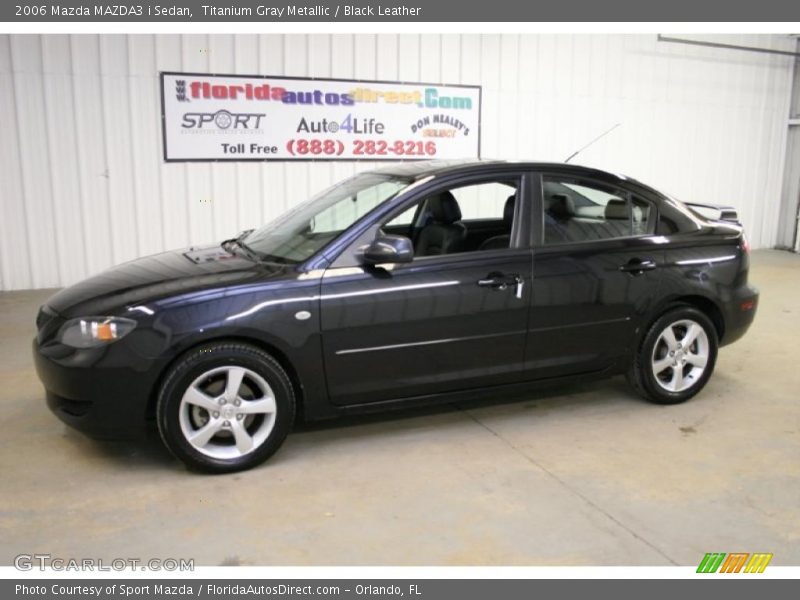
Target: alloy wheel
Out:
[680,355]
[227,412]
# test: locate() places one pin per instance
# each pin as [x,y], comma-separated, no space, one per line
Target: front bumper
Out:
[95,392]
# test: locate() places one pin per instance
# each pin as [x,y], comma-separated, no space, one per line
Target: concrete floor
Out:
[577,475]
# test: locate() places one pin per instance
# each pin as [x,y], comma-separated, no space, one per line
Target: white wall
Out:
[83,186]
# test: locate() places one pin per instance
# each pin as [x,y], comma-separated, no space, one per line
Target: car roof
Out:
[421,169]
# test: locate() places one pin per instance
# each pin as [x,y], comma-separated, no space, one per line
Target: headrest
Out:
[560,207]
[616,209]
[508,210]
[444,208]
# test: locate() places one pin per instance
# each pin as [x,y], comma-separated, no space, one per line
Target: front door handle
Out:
[636,266]
[501,281]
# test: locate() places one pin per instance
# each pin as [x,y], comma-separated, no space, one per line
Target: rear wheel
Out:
[676,357]
[225,407]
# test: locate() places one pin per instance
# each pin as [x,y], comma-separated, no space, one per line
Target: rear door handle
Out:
[636,266]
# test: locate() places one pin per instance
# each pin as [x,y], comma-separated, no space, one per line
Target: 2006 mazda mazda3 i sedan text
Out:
[405,285]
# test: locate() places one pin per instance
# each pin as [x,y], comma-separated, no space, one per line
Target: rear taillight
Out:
[745,244]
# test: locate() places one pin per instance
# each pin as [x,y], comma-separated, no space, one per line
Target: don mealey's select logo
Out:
[222,119]
[439,125]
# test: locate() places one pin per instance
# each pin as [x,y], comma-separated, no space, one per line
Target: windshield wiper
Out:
[238,247]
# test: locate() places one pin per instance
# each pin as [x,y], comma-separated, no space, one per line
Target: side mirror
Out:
[389,249]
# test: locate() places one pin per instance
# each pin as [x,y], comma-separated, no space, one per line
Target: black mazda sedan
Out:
[403,286]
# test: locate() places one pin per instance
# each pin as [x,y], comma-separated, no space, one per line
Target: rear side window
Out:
[666,226]
[642,216]
[585,211]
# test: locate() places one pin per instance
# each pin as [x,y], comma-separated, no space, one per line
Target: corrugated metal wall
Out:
[83,186]
[788,235]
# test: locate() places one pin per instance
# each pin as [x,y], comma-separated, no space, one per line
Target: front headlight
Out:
[88,332]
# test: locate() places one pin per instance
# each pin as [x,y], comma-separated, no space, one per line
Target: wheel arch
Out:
[271,349]
[709,308]
[702,303]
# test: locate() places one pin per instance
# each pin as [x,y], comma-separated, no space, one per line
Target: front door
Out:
[454,318]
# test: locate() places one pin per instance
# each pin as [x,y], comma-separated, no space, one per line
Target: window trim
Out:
[516,224]
[520,228]
[538,210]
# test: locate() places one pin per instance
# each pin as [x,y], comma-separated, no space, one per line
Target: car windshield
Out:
[303,231]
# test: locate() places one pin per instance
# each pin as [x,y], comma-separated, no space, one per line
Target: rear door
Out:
[596,274]
[440,323]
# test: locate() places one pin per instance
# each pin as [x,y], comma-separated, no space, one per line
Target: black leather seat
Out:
[617,218]
[559,209]
[445,233]
[502,241]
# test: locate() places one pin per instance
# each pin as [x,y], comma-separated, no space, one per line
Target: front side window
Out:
[585,211]
[297,235]
[466,218]
[484,201]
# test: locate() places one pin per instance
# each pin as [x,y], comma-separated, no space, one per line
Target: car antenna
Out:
[599,137]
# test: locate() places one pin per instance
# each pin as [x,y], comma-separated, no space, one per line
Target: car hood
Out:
[159,276]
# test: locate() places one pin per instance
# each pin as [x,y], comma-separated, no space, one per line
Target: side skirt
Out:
[483,393]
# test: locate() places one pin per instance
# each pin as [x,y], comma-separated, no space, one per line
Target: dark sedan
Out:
[407,285]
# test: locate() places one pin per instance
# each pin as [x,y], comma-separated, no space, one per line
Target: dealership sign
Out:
[235,117]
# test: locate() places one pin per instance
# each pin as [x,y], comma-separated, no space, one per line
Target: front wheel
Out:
[676,357]
[225,407]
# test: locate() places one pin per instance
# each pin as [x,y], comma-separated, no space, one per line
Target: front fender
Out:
[283,321]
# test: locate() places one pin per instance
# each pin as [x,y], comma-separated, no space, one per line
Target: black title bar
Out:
[701,588]
[208,11]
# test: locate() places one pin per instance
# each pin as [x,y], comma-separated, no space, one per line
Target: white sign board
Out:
[236,117]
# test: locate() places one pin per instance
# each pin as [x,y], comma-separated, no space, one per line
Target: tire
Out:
[225,407]
[664,369]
